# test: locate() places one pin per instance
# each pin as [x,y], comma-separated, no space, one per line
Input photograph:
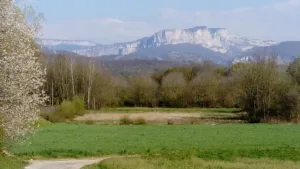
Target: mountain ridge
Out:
[216,39]
[192,44]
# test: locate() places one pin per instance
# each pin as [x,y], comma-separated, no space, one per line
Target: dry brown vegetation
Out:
[160,117]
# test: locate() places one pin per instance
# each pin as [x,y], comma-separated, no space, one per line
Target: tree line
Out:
[264,89]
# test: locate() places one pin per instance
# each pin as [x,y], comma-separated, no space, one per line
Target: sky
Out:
[111,21]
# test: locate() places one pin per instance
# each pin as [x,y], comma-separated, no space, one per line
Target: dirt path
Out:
[62,164]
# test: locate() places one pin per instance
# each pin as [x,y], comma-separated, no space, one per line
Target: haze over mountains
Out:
[194,44]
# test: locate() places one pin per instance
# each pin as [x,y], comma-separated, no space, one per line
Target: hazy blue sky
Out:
[109,21]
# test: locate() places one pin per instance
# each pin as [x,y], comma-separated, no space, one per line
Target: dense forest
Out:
[263,88]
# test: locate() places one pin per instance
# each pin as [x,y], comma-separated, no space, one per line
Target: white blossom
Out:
[21,74]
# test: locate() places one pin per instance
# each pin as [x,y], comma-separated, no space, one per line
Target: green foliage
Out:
[289,104]
[205,141]
[294,70]
[43,122]
[261,85]
[236,68]
[221,71]
[78,104]
[260,88]
[67,110]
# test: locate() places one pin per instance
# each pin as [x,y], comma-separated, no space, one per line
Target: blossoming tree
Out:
[21,73]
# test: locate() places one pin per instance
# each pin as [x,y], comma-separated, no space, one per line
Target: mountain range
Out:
[193,44]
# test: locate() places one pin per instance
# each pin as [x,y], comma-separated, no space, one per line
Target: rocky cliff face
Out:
[216,39]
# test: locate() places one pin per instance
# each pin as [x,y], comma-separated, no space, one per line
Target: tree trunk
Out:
[72,76]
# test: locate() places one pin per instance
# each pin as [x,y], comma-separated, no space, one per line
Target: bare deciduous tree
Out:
[173,89]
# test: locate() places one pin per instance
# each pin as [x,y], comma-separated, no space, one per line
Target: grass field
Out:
[11,163]
[192,163]
[222,142]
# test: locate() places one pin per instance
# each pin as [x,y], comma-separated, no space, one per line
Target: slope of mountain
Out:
[178,52]
[67,45]
[285,52]
[198,42]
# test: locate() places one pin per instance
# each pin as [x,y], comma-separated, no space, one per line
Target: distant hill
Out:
[285,52]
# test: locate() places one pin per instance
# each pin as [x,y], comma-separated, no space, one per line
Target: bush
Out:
[171,122]
[68,110]
[78,103]
[89,122]
[53,117]
[42,122]
[140,121]
[126,121]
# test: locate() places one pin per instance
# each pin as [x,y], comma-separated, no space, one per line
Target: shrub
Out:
[78,103]
[170,122]
[68,110]
[89,122]
[193,121]
[42,122]
[126,121]
[140,121]
[53,117]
